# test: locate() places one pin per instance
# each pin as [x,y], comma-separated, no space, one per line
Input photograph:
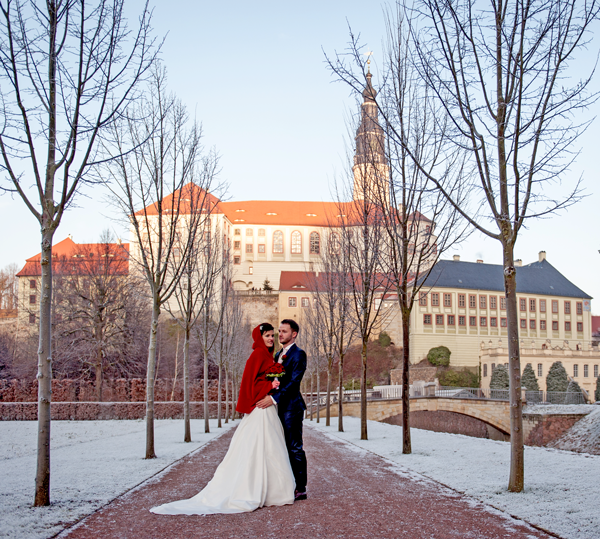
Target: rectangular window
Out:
[237,231]
[567,307]
[540,370]
[472,301]
[554,306]
[543,325]
[575,371]
[586,371]
[249,232]
[33,283]
[483,302]
[423,299]
[595,371]
[304,302]
[485,370]
[236,259]
[522,304]
[439,319]
[532,305]
[532,324]
[447,300]
[292,302]
[262,248]
[483,321]
[554,325]
[580,326]
[493,322]
[523,323]
[451,320]
[462,320]
[427,319]
[579,307]
[542,305]
[461,300]
[32,320]
[237,245]
[32,299]
[435,299]
[261,232]
[503,304]
[493,367]
[249,248]
[473,321]
[493,302]
[567,326]
[503,322]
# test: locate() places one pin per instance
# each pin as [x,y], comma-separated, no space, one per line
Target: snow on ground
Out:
[550,409]
[92,462]
[562,488]
[584,436]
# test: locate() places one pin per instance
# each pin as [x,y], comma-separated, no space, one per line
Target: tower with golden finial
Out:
[371,170]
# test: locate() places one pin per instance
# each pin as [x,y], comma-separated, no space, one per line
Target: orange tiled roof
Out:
[65,250]
[188,192]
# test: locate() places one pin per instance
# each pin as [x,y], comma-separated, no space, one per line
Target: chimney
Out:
[456,258]
[70,236]
[479,261]
[542,255]
[518,262]
[119,242]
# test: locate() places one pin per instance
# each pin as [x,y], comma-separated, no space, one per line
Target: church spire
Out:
[371,174]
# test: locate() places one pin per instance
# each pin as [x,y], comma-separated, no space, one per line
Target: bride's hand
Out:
[275,384]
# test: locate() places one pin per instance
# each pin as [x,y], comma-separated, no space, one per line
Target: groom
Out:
[290,403]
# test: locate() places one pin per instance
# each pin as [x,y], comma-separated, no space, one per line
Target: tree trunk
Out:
[150,375]
[406,445]
[363,393]
[219,399]
[187,436]
[517,463]
[205,388]
[176,373]
[44,375]
[341,396]
[98,366]
[226,396]
[318,395]
[311,396]
[328,405]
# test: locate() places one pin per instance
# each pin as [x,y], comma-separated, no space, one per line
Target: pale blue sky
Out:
[254,73]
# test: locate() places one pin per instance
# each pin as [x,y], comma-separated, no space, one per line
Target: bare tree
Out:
[152,186]
[410,126]
[500,74]
[67,72]
[9,287]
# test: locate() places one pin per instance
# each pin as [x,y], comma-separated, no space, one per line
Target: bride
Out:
[256,470]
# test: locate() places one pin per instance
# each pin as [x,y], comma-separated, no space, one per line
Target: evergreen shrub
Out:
[597,393]
[557,379]
[439,356]
[499,378]
[529,380]
[464,378]
[384,339]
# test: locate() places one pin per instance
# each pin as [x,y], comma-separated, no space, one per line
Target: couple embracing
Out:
[265,463]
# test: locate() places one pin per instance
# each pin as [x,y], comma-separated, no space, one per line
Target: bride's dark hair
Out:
[266,327]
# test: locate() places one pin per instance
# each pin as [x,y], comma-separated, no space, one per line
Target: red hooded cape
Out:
[254,385]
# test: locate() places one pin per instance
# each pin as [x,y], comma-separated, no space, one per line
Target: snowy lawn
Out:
[92,462]
[562,489]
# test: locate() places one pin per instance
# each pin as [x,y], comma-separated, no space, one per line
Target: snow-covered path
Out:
[562,489]
[92,462]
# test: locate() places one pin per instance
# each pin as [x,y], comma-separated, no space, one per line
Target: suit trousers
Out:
[292,429]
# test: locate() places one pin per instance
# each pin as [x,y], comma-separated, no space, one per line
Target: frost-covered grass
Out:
[562,489]
[92,462]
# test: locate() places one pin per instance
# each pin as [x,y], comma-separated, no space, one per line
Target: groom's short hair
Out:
[292,323]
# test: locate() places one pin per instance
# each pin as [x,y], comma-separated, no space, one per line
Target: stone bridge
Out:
[493,412]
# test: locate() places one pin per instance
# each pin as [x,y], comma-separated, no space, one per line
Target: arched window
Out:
[334,243]
[261,232]
[315,243]
[278,242]
[296,242]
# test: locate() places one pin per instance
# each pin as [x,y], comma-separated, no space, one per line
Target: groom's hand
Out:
[265,403]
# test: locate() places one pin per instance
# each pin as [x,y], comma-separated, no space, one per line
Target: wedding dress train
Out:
[255,472]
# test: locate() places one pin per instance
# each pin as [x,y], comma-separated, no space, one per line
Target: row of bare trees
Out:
[480,117]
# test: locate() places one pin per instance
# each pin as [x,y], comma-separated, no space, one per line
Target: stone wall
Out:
[82,411]
[259,308]
[133,390]
[541,429]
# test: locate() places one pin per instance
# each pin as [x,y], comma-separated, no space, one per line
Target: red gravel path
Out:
[351,495]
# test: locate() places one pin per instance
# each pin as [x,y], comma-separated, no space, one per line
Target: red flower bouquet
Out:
[275,371]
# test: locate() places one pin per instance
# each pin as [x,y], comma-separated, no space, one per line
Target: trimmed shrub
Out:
[528,380]
[557,379]
[499,378]
[439,356]
[597,393]
[573,392]
[462,378]
[384,339]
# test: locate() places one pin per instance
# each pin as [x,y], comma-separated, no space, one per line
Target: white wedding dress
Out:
[255,472]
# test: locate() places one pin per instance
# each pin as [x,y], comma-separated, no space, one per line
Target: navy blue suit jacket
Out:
[288,395]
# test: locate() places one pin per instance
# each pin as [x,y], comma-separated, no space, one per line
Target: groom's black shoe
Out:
[300,496]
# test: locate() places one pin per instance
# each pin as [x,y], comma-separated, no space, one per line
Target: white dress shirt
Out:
[284,351]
